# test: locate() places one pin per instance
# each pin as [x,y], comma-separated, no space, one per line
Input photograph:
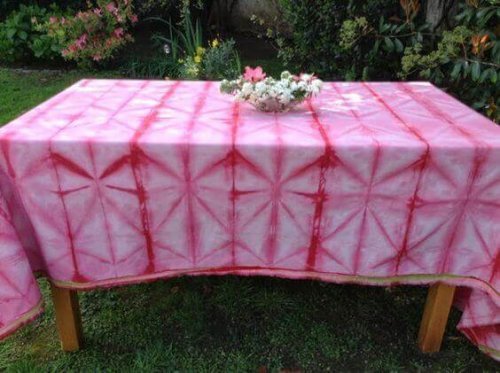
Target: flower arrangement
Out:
[269,94]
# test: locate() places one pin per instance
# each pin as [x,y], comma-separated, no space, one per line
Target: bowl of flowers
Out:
[269,94]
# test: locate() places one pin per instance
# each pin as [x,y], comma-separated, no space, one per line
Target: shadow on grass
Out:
[214,324]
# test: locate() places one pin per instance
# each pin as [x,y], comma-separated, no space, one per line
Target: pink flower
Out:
[53,19]
[111,7]
[63,20]
[254,75]
[118,32]
[97,57]
[81,41]
[98,11]
[134,18]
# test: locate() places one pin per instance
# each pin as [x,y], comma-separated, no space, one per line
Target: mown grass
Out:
[213,324]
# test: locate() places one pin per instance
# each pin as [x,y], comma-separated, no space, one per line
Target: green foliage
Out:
[313,44]
[185,47]
[310,46]
[367,40]
[466,59]
[157,67]
[23,36]
[221,61]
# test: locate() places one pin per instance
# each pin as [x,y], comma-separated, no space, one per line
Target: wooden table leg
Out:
[436,312]
[68,319]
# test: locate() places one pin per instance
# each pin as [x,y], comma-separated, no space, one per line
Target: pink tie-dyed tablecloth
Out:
[114,181]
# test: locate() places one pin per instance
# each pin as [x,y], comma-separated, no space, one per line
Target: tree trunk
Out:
[439,13]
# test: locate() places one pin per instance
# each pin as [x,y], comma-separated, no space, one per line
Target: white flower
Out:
[247,89]
[286,97]
[285,75]
[306,77]
[260,88]
[316,85]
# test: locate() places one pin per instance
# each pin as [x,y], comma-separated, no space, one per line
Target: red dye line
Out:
[136,158]
[495,271]
[234,192]
[434,110]
[101,203]
[420,166]
[479,159]
[77,277]
[99,192]
[5,150]
[276,186]
[325,163]
[49,105]
[70,165]
[186,155]
[357,253]
[13,285]
[57,159]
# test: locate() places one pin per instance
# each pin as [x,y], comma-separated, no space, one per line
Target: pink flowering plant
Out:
[269,94]
[96,34]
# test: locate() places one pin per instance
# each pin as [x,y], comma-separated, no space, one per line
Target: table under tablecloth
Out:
[115,181]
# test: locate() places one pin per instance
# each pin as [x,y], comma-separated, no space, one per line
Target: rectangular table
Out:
[115,182]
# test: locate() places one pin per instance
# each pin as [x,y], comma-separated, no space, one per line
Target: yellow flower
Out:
[215,43]
[200,51]
[197,59]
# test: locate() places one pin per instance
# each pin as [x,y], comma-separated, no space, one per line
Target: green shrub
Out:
[96,34]
[24,37]
[196,60]
[313,42]
[221,61]
[367,40]
[8,6]
[466,59]
[157,67]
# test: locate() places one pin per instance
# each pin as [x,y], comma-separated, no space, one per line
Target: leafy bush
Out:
[150,68]
[367,40]
[8,6]
[313,42]
[96,34]
[23,36]
[466,58]
[221,61]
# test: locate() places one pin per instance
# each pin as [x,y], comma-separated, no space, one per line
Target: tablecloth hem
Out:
[26,318]
[495,354]
[417,279]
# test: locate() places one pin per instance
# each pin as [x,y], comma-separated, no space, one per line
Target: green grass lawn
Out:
[229,323]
